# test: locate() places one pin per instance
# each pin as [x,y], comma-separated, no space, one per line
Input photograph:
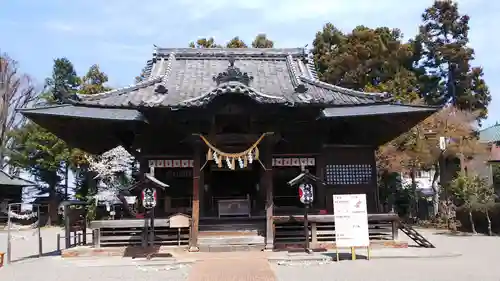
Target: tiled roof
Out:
[186,77]
[8,180]
[68,110]
[490,134]
[375,109]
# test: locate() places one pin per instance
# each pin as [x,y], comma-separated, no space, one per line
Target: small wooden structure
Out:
[229,128]
[75,223]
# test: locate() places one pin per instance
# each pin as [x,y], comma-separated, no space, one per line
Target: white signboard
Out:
[351,220]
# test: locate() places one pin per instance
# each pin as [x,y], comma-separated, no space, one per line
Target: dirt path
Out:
[232,269]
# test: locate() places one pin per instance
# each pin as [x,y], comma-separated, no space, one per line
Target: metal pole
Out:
[58,243]
[67,232]
[40,248]
[9,246]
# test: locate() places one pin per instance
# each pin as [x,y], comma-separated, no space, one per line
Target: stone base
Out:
[134,252]
[231,248]
[193,249]
[269,248]
[331,246]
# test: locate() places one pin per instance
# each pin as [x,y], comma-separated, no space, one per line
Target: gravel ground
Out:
[57,269]
[25,242]
[479,261]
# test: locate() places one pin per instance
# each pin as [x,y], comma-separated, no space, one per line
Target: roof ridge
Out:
[311,68]
[161,88]
[224,52]
[350,92]
[43,107]
[145,83]
[226,85]
[298,85]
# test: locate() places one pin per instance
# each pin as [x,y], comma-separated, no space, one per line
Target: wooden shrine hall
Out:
[226,129]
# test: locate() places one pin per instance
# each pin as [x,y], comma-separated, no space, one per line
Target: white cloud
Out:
[126,29]
[59,26]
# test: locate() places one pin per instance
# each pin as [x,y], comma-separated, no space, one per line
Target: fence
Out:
[18,220]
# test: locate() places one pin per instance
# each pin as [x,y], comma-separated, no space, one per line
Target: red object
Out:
[358,204]
[2,255]
[323,212]
[139,216]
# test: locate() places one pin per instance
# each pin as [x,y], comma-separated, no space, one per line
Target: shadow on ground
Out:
[344,256]
[49,254]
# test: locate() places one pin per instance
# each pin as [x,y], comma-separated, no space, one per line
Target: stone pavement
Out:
[241,269]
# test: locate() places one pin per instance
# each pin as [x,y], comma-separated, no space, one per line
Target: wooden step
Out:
[228,233]
[231,227]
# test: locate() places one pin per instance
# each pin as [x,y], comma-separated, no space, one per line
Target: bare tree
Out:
[16,90]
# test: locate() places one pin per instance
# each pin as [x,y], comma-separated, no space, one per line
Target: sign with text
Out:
[351,220]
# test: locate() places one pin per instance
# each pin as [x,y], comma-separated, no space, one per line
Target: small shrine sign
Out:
[351,221]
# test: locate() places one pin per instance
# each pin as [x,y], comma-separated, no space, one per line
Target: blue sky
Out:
[119,34]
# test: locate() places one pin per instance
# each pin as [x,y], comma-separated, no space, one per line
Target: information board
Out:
[351,220]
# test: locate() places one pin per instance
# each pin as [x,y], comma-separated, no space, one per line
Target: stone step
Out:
[231,240]
[232,227]
[231,248]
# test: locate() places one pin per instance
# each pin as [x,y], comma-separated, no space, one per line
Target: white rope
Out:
[27,216]
[12,214]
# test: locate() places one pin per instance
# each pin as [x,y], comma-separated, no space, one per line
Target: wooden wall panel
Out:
[350,170]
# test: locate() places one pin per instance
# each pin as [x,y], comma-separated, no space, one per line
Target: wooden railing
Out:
[289,230]
[116,233]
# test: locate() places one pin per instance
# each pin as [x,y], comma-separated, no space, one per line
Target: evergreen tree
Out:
[93,82]
[443,42]
[236,42]
[261,41]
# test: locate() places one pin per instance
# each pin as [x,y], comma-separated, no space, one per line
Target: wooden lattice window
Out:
[346,174]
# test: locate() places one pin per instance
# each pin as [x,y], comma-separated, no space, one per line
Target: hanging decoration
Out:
[242,158]
[19,227]
[26,216]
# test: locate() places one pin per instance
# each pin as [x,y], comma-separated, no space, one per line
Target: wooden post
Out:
[306,229]
[97,236]
[151,237]
[395,230]
[267,180]
[9,236]
[193,245]
[39,232]
[314,235]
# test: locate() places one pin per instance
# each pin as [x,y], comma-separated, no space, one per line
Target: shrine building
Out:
[227,129]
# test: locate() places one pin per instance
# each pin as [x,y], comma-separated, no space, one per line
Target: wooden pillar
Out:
[195,214]
[267,185]
[201,188]
[376,191]
[320,197]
